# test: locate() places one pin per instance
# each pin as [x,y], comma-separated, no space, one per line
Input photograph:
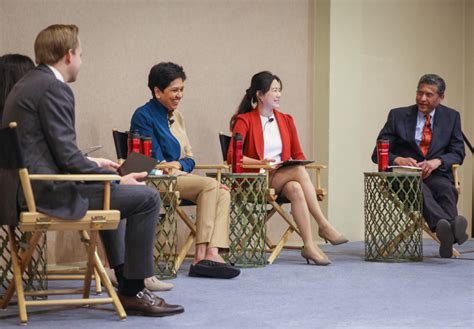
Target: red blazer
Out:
[249,125]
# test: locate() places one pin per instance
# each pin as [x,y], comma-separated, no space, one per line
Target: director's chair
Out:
[32,221]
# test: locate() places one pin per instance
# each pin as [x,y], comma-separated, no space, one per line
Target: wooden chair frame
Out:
[277,207]
[87,227]
[393,243]
[188,243]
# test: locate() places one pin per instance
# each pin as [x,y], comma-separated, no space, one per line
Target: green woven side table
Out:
[166,230]
[247,219]
[393,217]
[35,275]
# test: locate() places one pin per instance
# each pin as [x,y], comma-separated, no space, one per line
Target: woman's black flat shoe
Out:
[210,269]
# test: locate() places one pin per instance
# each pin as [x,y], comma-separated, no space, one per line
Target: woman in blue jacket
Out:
[160,120]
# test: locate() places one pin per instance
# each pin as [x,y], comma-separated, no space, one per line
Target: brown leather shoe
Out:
[148,304]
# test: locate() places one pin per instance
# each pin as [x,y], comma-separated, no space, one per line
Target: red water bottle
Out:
[146,146]
[136,145]
[237,153]
[382,154]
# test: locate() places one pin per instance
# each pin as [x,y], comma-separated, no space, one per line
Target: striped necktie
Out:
[426,135]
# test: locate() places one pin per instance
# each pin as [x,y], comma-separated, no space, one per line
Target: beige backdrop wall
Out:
[220,43]
[344,64]
[469,92]
[378,51]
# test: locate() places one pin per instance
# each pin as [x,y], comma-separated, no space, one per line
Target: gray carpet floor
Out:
[349,293]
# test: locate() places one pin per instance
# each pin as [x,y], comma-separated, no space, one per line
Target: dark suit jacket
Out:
[43,107]
[446,144]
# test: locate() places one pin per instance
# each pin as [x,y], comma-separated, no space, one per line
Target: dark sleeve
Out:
[143,125]
[295,150]
[56,113]
[455,150]
[187,164]
[389,133]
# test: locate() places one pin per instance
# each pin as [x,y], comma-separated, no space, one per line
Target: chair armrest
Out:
[28,191]
[258,166]
[167,166]
[320,192]
[316,166]
[217,167]
[79,177]
[457,182]
[211,166]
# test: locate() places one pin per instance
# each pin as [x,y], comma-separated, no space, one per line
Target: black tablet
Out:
[137,162]
[294,163]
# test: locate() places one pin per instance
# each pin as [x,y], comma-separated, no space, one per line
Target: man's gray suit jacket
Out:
[43,108]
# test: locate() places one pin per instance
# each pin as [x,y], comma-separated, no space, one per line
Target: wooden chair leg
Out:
[271,246]
[98,282]
[427,229]
[94,264]
[100,271]
[391,245]
[189,241]
[25,257]
[285,216]
[276,249]
[17,278]
[91,248]
[184,251]
[185,218]
[276,252]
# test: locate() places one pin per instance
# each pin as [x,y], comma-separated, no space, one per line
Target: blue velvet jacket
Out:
[151,120]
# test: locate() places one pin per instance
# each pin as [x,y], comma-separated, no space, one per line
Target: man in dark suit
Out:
[428,135]
[43,106]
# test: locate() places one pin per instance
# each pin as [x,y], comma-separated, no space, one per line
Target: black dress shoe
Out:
[210,269]
[459,226]
[148,304]
[445,235]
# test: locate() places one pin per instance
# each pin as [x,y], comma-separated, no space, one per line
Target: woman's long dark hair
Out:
[262,82]
[12,68]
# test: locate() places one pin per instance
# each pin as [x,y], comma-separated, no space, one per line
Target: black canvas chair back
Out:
[11,161]
[468,143]
[121,143]
[224,141]
[10,154]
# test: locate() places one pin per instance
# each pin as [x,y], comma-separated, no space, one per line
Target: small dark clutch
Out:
[137,162]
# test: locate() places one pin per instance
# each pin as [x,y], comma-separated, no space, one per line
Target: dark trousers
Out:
[440,199]
[134,248]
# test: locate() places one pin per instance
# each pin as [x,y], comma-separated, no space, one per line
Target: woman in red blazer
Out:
[270,136]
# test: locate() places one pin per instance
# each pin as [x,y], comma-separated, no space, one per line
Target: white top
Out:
[272,144]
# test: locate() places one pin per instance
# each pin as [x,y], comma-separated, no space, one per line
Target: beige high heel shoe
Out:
[318,261]
[339,240]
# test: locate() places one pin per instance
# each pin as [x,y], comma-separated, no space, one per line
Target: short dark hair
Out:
[162,74]
[433,79]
